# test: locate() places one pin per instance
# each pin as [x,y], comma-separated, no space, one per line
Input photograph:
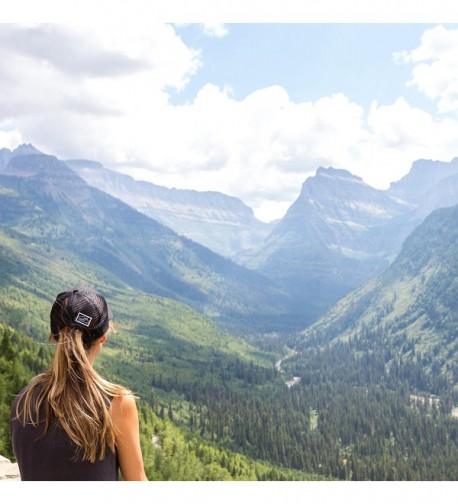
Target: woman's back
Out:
[70,423]
[54,456]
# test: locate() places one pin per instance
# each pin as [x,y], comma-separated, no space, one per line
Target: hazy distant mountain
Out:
[219,222]
[45,201]
[22,150]
[333,238]
[340,232]
[422,177]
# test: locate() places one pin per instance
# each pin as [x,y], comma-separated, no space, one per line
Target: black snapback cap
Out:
[81,308]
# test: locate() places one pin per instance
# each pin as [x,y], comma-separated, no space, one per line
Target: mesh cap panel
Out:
[81,308]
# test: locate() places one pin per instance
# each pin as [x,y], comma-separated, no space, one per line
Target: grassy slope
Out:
[153,334]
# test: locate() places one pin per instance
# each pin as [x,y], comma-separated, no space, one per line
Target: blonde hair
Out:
[74,394]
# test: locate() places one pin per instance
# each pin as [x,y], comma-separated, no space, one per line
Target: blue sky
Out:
[309,60]
[249,104]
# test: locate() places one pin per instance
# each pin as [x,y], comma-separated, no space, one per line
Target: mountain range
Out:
[339,233]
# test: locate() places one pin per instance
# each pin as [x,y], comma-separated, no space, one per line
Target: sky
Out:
[249,103]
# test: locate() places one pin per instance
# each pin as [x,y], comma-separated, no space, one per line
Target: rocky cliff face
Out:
[331,239]
[339,212]
[219,222]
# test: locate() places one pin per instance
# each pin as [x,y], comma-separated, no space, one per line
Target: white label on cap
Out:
[83,319]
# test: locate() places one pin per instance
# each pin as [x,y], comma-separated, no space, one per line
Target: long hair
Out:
[74,395]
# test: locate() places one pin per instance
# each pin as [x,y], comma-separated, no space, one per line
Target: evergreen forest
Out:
[349,417]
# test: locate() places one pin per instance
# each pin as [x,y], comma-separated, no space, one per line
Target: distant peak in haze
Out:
[330,179]
[26,149]
[423,175]
[337,173]
[22,150]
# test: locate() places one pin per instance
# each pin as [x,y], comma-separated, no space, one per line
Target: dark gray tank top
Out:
[54,457]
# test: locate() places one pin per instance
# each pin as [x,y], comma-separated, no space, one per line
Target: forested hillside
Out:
[159,346]
[348,418]
[412,304]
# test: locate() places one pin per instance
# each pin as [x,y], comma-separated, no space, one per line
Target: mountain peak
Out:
[421,177]
[49,170]
[25,150]
[337,173]
[22,150]
[334,182]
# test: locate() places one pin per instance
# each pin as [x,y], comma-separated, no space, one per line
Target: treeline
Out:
[363,410]
[330,430]
[227,372]
[373,356]
[172,454]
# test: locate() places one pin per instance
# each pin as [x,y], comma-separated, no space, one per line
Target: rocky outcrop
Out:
[8,470]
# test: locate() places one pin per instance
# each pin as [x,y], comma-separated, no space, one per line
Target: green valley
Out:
[367,392]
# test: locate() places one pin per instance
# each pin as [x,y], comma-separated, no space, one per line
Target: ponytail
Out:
[74,395]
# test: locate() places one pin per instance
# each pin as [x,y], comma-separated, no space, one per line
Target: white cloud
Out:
[398,135]
[435,67]
[217,30]
[62,57]
[89,90]
[259,149]
[9,139]
[103,94]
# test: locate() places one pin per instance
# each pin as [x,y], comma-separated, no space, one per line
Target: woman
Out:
[70,423]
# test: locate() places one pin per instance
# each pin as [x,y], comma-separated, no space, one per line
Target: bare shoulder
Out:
[123,405]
